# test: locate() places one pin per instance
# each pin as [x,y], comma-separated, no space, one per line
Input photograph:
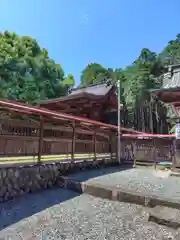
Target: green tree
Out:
[136,79]
[26,71]
[171,53]
[139,77]
[69,81]
[93,73]
[143,74]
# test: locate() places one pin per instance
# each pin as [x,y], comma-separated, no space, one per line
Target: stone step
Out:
[165,216]
[117,194]
[175,174]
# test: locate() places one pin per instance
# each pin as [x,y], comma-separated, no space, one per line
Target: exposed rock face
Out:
[16,181]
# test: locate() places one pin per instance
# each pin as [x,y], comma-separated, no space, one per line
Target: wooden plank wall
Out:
[21,138]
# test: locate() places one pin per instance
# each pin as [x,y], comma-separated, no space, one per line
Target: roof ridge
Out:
[92,85]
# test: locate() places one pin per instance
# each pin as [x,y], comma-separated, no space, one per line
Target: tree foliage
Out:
[26,71]
[93,73]
[141,75]
[28,74]
[171,53]
[137,78]
[69,81]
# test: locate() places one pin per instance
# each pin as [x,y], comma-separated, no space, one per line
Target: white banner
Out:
[177,131]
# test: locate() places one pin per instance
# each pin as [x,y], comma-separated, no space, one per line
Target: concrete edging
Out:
[115,194]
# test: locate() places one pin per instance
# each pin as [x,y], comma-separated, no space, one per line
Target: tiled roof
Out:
[98,90]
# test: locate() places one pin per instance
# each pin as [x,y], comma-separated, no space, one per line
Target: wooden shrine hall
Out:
[170,94]
[170,91]
[96,102]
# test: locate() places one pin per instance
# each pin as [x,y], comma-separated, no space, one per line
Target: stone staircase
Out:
[158,209]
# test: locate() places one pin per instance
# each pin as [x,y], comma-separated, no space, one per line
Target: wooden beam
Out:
[49,126]
[110,144]
[134,145]
[41,133]
[154,152]
[151,115]
[16,111]
[73,140]
[174,154]
[69,106]
[94,144]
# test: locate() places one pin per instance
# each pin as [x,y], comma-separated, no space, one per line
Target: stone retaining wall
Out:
[16,181]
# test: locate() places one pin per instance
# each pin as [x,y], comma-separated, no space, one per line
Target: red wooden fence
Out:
[23,138]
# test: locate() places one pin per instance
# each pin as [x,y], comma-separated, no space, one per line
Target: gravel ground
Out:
[62,214]
[140,180]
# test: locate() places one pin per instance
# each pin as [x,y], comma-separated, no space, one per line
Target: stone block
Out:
[165,216]
[130,197]
[98,191]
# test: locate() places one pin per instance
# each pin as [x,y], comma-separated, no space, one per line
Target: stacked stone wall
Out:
[20,180]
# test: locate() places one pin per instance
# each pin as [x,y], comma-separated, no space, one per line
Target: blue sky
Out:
[78,32]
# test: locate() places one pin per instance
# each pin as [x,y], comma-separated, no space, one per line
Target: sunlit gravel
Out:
[63,214]
[146,181]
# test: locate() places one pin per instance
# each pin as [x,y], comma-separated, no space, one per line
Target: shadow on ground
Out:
[30,204]
[94,173]
[15,210]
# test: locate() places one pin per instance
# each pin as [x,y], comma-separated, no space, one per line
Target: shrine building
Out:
[96,102]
